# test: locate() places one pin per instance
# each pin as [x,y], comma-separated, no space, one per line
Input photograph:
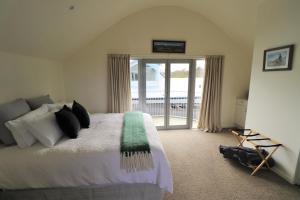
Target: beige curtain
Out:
[119,94]
[210,114]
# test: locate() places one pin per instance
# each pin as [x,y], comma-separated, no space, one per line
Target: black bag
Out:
[246,156]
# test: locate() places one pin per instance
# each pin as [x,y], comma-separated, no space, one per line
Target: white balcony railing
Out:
[178,106]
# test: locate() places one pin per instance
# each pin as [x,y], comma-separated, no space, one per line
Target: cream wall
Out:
[86,71]
[23,76]
[274,99]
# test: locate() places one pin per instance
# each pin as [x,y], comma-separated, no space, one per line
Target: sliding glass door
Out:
[165,89]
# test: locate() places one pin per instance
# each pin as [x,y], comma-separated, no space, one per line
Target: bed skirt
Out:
[116,192]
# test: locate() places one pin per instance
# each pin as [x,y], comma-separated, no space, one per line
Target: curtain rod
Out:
[166,56]
[163,55]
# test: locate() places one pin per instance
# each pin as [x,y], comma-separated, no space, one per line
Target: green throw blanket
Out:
[135,149]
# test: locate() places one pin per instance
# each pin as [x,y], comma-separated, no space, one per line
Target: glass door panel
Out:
[165,89]
[155,92]
[134,84]
[199,80]
[179,94]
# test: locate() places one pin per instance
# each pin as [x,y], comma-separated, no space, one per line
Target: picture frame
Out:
[279,58]
[168,46]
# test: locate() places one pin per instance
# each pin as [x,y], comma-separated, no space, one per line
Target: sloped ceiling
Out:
[50,29]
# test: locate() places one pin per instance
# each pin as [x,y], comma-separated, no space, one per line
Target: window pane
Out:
[199,80]
[179,84]
[134,71]
[155,92]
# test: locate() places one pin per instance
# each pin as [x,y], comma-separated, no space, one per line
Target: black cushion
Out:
[81,114]
[68,122]
[37,102]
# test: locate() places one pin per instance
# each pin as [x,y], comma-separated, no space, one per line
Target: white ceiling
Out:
[49,29]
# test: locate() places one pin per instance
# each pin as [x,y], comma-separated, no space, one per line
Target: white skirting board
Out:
[283,175]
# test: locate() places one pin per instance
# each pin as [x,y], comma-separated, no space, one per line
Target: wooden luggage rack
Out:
[253,138]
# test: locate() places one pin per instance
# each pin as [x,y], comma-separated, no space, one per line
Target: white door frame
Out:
[191,89]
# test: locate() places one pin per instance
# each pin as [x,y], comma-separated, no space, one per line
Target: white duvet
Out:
[93,159]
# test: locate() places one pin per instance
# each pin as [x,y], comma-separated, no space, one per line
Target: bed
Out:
[84,168]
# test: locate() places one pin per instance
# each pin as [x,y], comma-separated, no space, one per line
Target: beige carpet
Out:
[200,172]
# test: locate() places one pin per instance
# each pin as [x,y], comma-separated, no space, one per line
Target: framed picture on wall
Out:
[278,59]
[168,46]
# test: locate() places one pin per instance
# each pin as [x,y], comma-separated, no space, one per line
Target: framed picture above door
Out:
[168,46]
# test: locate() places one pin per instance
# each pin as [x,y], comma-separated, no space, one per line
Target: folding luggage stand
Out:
[252,137]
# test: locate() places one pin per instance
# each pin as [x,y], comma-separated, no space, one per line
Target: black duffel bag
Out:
[246,156]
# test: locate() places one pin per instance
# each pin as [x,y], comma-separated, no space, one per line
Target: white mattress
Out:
[91,159]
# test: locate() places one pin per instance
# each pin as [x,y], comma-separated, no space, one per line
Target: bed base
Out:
[116,192]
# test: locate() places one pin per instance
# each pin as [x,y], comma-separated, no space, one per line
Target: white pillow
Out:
[57,106]
[45,129]
[19,128]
